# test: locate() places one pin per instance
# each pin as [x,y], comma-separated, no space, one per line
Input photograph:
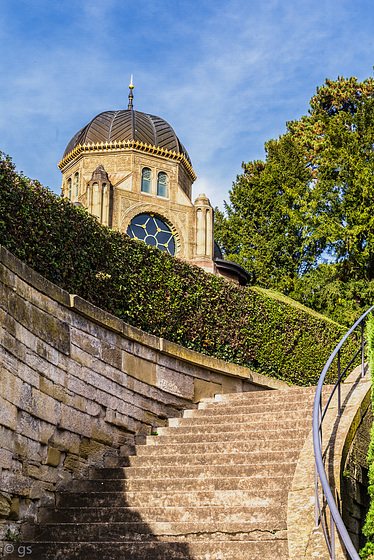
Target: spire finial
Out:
[131,96]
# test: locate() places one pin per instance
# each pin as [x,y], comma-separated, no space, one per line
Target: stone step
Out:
[269,548]
[246,513]
[184,472]
[284,395]
[265,495]
[223,459]
[262,438]
[248,408]
[234,427]
[218,447]
[140,530]
[254,417]
[115,487]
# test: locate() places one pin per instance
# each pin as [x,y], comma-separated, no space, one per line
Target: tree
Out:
[264,230]
[312,197]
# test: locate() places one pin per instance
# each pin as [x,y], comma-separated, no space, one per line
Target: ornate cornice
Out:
[128,144]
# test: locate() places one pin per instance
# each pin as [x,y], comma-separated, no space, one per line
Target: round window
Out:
[153,231]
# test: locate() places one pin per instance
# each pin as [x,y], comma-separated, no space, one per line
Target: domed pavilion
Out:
[131,171]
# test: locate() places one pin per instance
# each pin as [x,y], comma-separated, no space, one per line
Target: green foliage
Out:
[265,230]
[158,293]
[312,197]
[368,551]
[12,536]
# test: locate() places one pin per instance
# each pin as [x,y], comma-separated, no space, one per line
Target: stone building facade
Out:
[130,170]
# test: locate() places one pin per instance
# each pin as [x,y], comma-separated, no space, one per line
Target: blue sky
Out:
[226,75]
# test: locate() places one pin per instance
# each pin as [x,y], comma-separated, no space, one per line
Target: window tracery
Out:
[152,229]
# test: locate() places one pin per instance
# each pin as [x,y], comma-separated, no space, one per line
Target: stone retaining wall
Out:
[78,384]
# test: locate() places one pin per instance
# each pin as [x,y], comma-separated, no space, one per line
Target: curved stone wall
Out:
[78,384]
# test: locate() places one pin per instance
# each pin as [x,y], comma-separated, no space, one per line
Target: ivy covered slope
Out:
[156,292]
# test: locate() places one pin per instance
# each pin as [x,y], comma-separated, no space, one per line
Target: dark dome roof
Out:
[120,126]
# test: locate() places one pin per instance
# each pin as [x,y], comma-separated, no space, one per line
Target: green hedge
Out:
[156,292]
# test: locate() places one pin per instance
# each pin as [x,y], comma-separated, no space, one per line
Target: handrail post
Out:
[362,350]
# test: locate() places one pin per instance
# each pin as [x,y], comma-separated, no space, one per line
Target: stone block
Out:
[4,506]
[102,432]
[43,325]
[79,387]
[90,447]
[117,419]
[47,352]
[5,458]
[175,383]
[125,344]
[55,373]
[205,389]
[42,406]
[27,448]
[111,355]
[32,471]
[39,488]
[74,464]
[61,394]
[38,363]
[65,441]
[167,361]
[106,399]
[49,474]
[28,374]
[13,346]
[93,409]
[86,342]
[15,483]
[7,360]
[81,357]
[63,361]
[8,414]
[46,432]
[53,457]
[28,425]
[105,335]
[75,421]
[14,509]
[139,368]
[8,322]
[10,386]
[230,384]
[148,354]
[46,386]
[96,380]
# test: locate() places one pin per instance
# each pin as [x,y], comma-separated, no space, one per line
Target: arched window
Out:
[76,183]
[162,184]
[153,230]
[69,189]
[146,180]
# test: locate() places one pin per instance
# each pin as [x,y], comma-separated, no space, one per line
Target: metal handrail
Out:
[318,416]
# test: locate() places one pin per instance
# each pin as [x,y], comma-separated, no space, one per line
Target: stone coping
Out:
[108,321]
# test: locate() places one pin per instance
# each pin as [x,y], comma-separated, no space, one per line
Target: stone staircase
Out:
[213,485]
